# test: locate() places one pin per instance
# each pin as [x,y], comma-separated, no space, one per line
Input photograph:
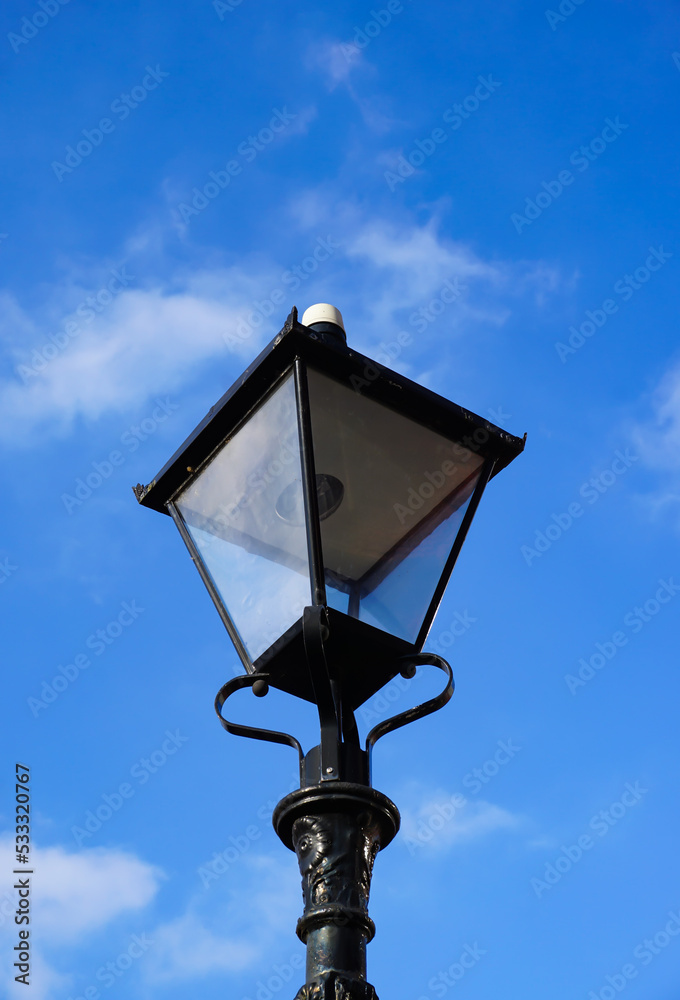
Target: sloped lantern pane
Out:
[404,492]
[400,598]
[245,515]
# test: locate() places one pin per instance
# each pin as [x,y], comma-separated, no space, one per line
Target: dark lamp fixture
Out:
[324,500]
[322,478]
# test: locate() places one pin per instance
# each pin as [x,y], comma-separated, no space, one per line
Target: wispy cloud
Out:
[247,924]
[77,894]
[336,60]
[45,982]
[436,821]
[398,267]
[156,336]
[343,65]
[656,439]
[149,341]
[81,891]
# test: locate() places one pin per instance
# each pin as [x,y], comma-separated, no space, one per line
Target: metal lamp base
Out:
[334,987]
[336,830]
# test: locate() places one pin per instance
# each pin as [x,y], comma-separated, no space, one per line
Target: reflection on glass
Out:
[233,509]
[398,601]
[405,492]
[329,493]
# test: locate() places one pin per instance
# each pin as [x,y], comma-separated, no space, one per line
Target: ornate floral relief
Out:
[334,988]
[336,855]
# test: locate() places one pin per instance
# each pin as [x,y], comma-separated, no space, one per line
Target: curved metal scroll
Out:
[238,729]
[418,711]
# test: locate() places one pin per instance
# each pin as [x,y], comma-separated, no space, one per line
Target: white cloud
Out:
[232,928]
[656,440]
[437,823]
[303,118]
[339,62]
[82,891]
[73,895]
[399,268]
[229,931]
[336,60]
[186,949]
[155,339]
[417,260]
[146,342]
[45,983]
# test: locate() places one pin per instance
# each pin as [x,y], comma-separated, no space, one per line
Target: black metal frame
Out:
[311,501]
[339,756]
[345,365]
[484,477]
[209,583]
[364,656]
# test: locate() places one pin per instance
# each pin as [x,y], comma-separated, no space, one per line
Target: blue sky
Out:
[374,158]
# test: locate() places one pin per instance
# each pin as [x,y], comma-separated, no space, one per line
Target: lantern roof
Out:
[330,355]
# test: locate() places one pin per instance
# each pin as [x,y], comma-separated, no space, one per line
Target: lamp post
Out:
[324,500]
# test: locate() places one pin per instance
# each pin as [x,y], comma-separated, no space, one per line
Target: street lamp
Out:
[324,500]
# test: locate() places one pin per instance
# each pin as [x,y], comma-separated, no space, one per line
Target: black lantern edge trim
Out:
[308,470]
[272,362]
[485,476]
[210,586]
[386,387]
